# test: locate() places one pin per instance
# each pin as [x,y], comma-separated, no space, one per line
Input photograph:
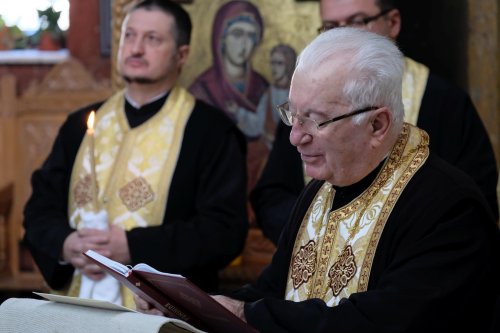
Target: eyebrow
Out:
[309,111]
[349,17]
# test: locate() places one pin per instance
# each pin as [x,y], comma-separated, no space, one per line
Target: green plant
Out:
[48,25]
[48,21]
[11,37]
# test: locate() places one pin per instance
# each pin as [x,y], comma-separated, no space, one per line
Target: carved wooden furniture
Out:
[28,126]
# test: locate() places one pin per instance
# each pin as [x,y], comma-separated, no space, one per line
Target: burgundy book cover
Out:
[177,297]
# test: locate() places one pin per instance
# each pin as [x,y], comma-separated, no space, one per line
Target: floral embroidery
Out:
[82,191]
[304,264]
[136,194]
[342,271]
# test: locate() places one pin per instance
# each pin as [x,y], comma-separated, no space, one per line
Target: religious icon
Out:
[282,61]
[231,84]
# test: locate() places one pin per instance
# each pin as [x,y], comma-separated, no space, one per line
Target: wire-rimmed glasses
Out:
[311,126]
[355,22]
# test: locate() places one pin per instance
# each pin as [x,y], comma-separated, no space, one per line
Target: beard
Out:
[139,80]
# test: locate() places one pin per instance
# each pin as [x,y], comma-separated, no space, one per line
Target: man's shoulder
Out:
[210,115]
[442,171]
[440,180]
[438,84]
[78,118]
[442,100]
[209,121]
[83,112]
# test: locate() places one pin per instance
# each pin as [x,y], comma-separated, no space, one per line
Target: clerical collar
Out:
[345,194]
[137,115]
[137,105]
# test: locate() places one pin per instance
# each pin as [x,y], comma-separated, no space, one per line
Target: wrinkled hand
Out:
[143,306]
[233,305]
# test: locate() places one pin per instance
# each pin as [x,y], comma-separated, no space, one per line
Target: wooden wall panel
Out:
[28,127]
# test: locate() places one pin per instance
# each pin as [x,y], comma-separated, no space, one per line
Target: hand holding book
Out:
[174,296]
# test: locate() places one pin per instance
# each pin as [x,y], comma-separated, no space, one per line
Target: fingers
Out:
[118,245]
[140,304]
[80,241]
[93,272]
[233,305]
[145,307]
[94,235]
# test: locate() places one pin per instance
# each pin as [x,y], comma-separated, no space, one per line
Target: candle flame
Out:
[90,121]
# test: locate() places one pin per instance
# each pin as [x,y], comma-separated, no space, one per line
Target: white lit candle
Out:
[93,178]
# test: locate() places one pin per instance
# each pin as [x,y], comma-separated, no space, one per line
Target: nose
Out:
[138,46]
[298,136]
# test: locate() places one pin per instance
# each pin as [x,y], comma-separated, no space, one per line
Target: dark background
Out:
[434,32]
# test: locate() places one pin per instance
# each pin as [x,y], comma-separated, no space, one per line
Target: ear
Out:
[394,19]
[380,123]
[182,54]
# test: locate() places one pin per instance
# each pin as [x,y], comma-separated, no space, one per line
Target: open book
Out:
[174,295]
[72,314]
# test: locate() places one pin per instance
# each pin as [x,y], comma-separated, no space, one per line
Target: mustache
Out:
[136,58]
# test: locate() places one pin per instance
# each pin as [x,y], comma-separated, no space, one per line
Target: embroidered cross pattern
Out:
[82,191]
[136,194]
[304,264]
[342,271]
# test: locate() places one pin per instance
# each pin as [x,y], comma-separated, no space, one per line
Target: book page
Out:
[84,302]
[31,315]
[149,269]
[114,265]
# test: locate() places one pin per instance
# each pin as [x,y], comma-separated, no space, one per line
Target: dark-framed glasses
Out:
[356,21]
[311,126]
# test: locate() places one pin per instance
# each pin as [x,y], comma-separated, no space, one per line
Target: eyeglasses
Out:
[356,22]
[311,126]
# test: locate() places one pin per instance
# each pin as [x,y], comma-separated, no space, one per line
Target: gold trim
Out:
[362,221]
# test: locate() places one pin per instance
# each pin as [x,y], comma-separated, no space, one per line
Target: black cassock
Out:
[435,268]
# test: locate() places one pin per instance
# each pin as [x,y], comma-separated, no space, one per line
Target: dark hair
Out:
[182,27]
[385,4]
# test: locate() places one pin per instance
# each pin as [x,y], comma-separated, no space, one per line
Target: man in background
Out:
[168,185]
[445,112]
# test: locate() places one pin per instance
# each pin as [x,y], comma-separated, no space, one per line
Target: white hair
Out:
[373,63]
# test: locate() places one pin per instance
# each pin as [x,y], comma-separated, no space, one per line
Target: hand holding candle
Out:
[93,178]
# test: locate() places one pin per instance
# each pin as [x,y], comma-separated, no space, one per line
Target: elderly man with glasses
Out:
[445,112]
[388,237]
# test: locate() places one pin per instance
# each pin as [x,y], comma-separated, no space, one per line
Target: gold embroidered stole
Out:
[333,251]
[414,83]
[134,167]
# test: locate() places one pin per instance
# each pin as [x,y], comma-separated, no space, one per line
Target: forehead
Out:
[317,87]
[341,9]
[148,20]
[277,55]
[242,25]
